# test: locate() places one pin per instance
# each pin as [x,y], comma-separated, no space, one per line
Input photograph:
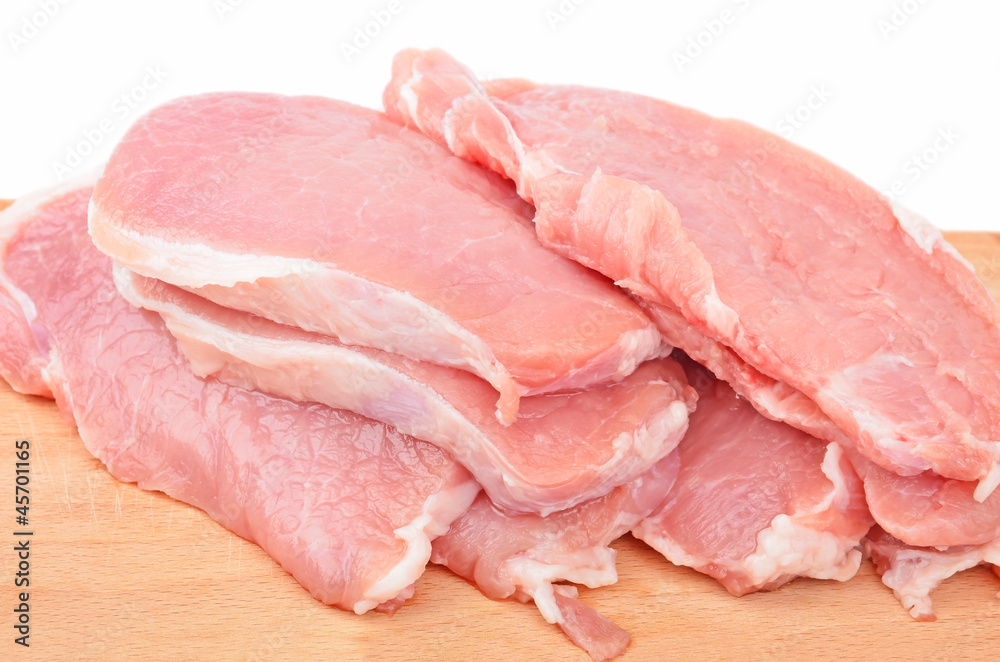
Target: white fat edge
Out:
[441,425]
[197,265]
[439,511]
[788,548]
[925,234]
[783,548]
[536,578]
[410,99]
[883,434]
[885,439]
[512,140]
[838,498]
[915,573]
[988,483]
[635,452]
[649,532]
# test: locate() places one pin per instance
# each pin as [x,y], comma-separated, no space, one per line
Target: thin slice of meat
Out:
[926,510]
[327,216]
[757,502]
[527,557]
[914,572]
[347,505]
[799,268]
[562,450]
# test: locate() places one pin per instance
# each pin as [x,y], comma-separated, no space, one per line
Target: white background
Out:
[891,73]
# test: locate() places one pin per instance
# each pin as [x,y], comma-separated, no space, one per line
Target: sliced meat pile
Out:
[612,432]
[367,347]
[327,216]
[757,502]
[797,267]
[816,300]
[347,505]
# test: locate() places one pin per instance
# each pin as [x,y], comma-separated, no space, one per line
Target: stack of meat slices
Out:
[357,346]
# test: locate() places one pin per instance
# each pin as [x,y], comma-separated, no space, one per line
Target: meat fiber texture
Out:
[914,572]
[347,505]
[323,215]
[562,450]
[528,557]
[794,265]
[926,510]
[757,502]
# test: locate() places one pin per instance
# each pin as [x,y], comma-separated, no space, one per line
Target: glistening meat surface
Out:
[803,271]
[347,505]
[757,502]
[327,216]
[563,449]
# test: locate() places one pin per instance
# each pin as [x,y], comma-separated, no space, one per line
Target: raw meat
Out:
[526,556]
[327,216]
[563,449]
[757,502]
[924,510]
[347,505]
[796,266]
[913,572]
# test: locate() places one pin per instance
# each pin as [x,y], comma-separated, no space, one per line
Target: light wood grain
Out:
[119,573]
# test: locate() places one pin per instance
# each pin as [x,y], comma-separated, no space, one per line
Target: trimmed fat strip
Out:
[527,557]
[799,268]
[320,214]
[347,505]
[563,449]
[914,572]
[757,502]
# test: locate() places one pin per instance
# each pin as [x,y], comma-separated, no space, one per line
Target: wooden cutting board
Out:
[119,573]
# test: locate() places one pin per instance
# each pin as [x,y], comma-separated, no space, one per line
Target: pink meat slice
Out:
[757,502]
[562,450]
[799,268]
[327,216]
[914,572]
[527,557]
[925,510]
[345,504]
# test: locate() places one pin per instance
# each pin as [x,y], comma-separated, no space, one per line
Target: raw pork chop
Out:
[925,510]
[913,572]
[526,556]
[563,449]
[757,502]
[347,505]
[798,267]
[327,216]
